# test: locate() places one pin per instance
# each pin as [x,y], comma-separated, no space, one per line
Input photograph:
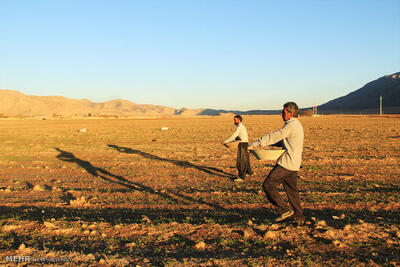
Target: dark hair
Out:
[292,108]
[239,117]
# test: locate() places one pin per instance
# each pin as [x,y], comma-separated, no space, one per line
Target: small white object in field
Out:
[82,130]
[164,128]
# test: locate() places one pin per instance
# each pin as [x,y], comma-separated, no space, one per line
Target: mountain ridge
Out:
[14,103]
[364,100]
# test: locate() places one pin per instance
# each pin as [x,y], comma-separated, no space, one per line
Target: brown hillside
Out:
[13,103]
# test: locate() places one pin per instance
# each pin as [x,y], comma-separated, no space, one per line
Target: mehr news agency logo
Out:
[37,259]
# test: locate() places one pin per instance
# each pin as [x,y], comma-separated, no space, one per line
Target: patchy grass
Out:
[126,192]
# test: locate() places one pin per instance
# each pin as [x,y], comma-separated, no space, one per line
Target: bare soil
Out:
[126,192]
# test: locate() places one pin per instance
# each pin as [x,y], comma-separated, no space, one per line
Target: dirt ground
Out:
[126,192]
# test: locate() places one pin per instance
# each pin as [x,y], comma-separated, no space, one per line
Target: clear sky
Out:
[198,54]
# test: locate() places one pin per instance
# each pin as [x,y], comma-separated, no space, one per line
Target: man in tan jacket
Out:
[285,172]
[243,158]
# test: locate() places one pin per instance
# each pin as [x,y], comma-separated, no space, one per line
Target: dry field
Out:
[125,192]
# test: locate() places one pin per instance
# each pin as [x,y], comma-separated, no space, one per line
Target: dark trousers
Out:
[243,160]
[280,175]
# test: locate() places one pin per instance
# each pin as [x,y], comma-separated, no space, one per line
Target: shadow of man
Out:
[94,171]
[99,172]
[180,163]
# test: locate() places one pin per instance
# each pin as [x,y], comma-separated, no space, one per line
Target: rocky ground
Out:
[126,192]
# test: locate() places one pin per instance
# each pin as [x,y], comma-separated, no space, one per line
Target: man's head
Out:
[290,110]
[237,119]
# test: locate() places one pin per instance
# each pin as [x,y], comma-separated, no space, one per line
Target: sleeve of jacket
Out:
[274,137]
[233,136]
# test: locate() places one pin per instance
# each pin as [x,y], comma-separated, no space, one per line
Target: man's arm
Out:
[272,138]
[233,136]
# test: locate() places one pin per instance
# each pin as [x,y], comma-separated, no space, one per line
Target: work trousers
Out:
[243,160]
[280,175]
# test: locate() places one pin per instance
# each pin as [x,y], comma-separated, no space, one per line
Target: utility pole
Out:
[380,106]
[315,110]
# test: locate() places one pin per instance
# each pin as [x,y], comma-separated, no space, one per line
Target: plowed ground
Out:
[126,192]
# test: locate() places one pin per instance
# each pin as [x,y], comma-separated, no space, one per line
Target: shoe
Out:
[284,216]
[238,180]
[250,173]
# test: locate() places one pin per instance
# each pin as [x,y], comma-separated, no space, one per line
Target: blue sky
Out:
[198,54]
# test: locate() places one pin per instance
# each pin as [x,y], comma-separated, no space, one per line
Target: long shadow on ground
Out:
[117,179]
[129,216]
[217,213]
[193,216]
[180,163]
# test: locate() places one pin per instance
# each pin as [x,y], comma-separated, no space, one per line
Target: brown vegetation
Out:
[124,193]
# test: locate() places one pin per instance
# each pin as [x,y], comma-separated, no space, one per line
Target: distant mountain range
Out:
[16,104]
[364,100]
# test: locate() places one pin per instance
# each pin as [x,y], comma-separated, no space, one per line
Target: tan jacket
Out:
[292,135]
[240,132]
